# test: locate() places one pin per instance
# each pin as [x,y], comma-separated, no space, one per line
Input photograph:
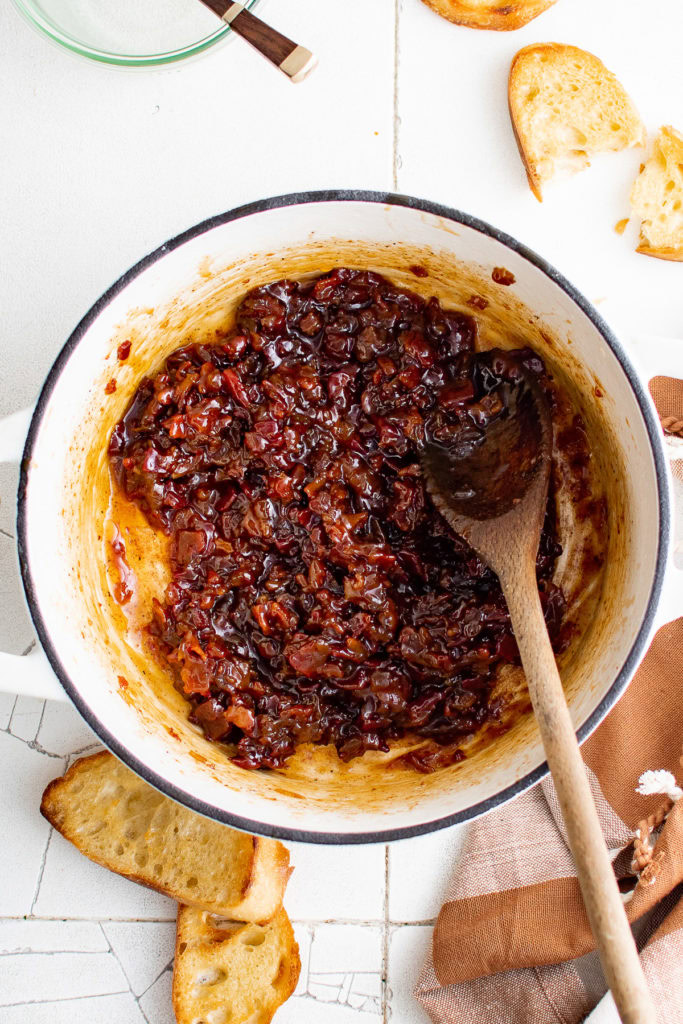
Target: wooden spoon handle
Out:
[604,906]
[293,60]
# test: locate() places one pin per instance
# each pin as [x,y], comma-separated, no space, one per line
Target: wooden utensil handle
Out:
[293,60]
[604,906]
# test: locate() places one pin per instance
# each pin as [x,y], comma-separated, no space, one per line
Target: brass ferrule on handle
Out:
[231,13]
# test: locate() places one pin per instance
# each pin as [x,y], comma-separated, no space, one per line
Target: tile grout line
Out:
[112,953]
[41,872]
[164,970]
[117,958]
[40,725]
[40,918]
[386,1010]
[312,922]
[54,952]
[395,154]
[64,999]
[11,716]
[309,958]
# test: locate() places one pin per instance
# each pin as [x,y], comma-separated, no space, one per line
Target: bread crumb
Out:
[620,225]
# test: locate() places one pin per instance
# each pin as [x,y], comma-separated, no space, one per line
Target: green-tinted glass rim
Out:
[120,60]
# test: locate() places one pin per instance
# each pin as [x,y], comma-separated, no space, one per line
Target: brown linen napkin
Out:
[512,943]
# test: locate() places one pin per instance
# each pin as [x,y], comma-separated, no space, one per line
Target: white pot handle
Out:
[655,356]
[30,675]
[13,431]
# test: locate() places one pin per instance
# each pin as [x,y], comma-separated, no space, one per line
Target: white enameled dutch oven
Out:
[184,291]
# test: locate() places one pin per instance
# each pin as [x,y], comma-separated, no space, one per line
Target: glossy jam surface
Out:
[317,595]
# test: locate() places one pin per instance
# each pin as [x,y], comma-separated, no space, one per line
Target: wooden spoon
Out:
[493,493]
[294,61]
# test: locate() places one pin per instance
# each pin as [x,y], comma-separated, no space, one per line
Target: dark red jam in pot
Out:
[317,595]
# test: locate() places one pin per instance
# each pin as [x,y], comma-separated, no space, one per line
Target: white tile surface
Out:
[360,949]
[156,1003]
[408,947]
[144,949]
[307,1010]
[24,836]
[99,167]
[348,882]
[64,975]
[45,936]
[341,975]
[73,886]
[418,872]
[64,732]
[7,703]
[117,1009]
[304,937]
[118,162]
[26,718]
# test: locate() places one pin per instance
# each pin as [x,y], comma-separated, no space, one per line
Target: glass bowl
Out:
[128,33]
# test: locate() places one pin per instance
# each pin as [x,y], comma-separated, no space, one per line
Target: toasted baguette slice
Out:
[227,973]
[117,820]
[657,198]
[488,14]
[566,106]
